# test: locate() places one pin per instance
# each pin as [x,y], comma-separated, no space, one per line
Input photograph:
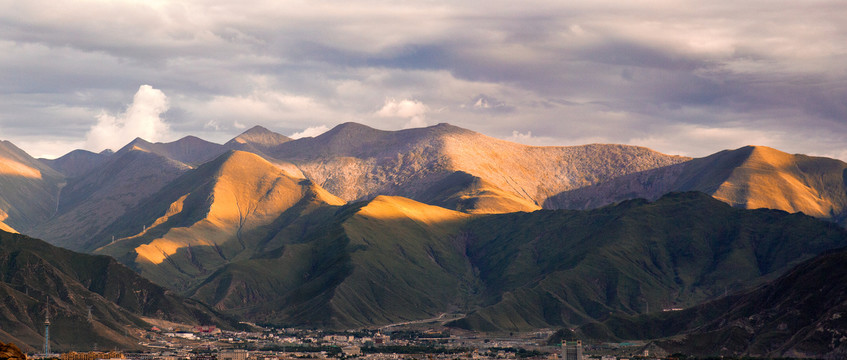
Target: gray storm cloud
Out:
[690,78]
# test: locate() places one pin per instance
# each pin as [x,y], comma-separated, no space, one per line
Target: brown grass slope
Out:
[219,212]
[750,177]
[357,162]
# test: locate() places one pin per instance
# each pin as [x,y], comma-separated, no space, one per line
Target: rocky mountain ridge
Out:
[751,177]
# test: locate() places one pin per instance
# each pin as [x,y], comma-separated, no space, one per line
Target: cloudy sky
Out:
[681,77]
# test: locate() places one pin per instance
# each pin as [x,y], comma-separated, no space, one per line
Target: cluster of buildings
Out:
[211,343]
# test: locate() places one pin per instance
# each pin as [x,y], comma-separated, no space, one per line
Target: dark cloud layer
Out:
[690,78]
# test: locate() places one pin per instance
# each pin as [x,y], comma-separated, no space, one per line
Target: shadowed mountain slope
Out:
[751,177]
[92,201]
[564,268]
[31,271]
[799,314]
[114,183]
[189,150]
[78,162]
[29,189]
[391,259]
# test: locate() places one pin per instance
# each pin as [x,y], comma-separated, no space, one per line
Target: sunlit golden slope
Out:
[261,141]
[101,187]
[750,177]
[249,192]
[396,207]
[224,209]
[406,263]
[357,162]
[773,179]
[465,192]
[3,226]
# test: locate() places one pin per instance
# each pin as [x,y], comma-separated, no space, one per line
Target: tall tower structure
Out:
[47,327]
[572,350]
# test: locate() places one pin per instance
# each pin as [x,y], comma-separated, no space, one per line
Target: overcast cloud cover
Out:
[681,77]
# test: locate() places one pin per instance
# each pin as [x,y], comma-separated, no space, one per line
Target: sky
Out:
[681,77]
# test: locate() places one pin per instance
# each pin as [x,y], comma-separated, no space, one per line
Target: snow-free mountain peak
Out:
[189,150]
[259,136]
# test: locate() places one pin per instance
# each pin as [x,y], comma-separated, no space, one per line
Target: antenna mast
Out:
[47,327]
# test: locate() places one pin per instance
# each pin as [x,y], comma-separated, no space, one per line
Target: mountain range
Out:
[751,177]
[362,227]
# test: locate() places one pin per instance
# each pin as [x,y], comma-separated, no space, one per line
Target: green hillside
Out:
[798,315]
[393,260]
[389,260]
[564,268]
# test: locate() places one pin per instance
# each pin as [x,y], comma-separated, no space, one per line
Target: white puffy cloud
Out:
[310,132]
[141,119]
[413,110]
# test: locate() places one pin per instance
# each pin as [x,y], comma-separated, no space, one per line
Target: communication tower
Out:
[47,327]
